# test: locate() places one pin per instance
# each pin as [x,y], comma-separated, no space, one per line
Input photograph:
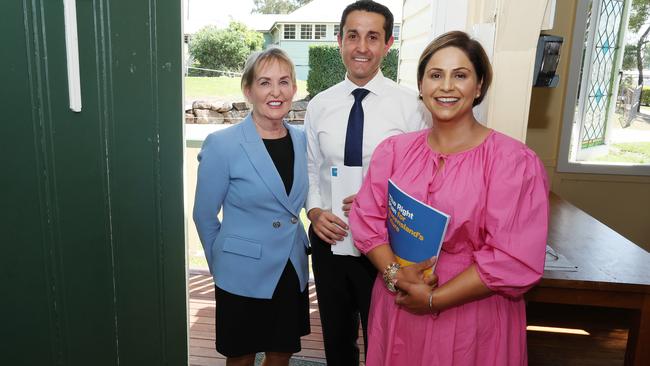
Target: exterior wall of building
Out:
[268,39]
[298,50]
[415,34]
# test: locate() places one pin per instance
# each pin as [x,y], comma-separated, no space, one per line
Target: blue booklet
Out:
[415,230]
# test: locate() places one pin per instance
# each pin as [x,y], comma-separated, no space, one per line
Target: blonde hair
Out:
[260,58]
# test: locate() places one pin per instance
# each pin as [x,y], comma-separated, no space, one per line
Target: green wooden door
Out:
[92,260]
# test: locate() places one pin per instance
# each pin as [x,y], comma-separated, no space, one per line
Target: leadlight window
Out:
[600,132]
[602,47]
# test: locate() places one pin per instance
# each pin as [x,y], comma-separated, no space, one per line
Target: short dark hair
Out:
[472,49]
[371,7]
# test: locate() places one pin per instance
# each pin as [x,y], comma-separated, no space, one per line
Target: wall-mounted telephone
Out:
[546,61]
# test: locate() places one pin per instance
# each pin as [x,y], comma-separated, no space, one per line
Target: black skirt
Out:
[246,325]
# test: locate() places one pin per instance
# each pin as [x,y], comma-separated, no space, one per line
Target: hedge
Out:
[645,96]
[327,69]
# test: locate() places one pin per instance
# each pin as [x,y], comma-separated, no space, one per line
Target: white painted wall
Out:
[517,30]
[508,29]
[424,20]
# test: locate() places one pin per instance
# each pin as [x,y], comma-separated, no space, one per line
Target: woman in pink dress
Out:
[471,310]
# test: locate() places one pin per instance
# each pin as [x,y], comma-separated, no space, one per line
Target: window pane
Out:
[305,31]
[289,31]
[601,80]
[320,30]
[336,30]
[611,124]
[396,31]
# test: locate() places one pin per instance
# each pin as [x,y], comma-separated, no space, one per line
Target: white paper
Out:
[557,262]
[346,181]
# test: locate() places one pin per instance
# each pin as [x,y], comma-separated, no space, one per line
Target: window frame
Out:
[564,165]
[311,32]
[398,28]
[284,31]
[320,36]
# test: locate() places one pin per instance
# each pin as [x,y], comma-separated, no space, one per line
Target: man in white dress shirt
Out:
[344,283]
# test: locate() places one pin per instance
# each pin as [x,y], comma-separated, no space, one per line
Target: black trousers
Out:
[343,286]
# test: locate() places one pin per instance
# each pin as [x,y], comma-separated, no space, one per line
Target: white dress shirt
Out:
[389,109]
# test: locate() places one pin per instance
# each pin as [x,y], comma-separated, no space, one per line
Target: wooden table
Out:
[612,272]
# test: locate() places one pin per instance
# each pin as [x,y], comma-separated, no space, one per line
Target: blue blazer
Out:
[261,228]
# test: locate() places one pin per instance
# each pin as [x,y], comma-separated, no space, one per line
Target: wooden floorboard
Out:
[202,320]
[604,346]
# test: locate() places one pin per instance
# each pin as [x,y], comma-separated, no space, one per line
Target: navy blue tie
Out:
[354,135]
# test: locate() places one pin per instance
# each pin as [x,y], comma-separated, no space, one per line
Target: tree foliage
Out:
[277,6]
[638,15]
[638,22]
[629,57]
[224,49]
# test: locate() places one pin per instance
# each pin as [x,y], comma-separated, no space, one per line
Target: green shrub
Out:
[389,65]
[224,49]
[327,69]
[645,96]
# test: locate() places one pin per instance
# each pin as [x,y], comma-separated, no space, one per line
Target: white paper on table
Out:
[346,181]
[557,262]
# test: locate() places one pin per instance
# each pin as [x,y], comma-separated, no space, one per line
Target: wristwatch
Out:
[389,276]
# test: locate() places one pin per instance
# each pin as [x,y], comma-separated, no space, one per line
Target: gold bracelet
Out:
[389,276]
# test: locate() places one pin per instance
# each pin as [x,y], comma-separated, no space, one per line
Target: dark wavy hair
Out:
[472,49]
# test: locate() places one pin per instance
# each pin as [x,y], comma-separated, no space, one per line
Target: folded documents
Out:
[346,181]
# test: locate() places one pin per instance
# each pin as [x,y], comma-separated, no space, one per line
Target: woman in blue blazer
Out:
[256,173]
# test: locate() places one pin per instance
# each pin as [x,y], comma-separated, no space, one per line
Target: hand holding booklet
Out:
[346,181]
[415,230]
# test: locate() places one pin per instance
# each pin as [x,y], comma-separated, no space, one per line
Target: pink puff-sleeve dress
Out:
[497,197]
